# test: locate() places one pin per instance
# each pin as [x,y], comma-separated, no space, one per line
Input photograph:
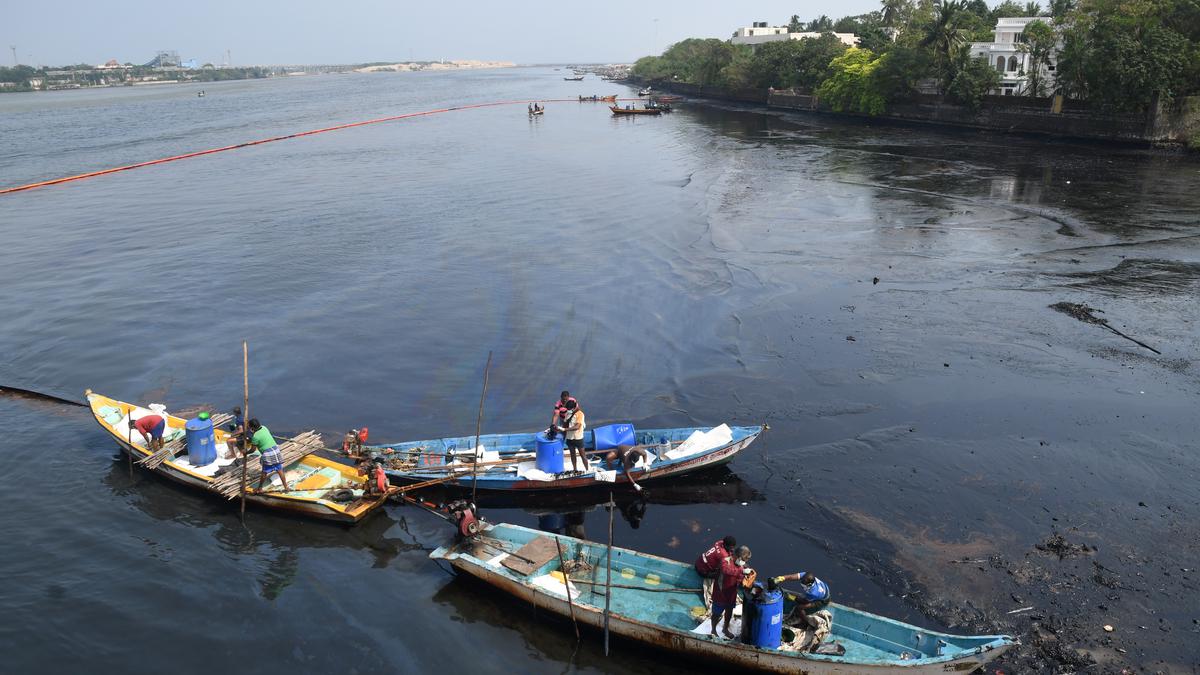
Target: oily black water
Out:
[944,448]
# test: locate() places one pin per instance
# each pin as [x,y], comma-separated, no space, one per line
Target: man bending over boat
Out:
[151,427]
[725,590]
[628,456]
[708,565]
[272,460]
[814,598]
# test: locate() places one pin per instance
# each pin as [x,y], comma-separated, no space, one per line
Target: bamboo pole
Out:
[130,452]
[608,576]
[478,427]
[562,567]
[245,420]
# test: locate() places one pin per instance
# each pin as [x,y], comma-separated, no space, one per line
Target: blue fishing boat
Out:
[511,462]
[658,602]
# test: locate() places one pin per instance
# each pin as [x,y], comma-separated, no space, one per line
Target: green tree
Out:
[820,24]
[1039,42]
[851,85]
[1006,8]
[973,79]
[795,25]
[893,12]
[1060,8]
[875,39]
[1136,43]
[900,72]
[945,36]
[801,64]
[1032,9]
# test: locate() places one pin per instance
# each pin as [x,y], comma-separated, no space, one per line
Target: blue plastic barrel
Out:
[201,443]
[612,435]
[549,454]
[766,629]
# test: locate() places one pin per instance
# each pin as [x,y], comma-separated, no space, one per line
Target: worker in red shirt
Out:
[151,427]
[725,590]
[708,565]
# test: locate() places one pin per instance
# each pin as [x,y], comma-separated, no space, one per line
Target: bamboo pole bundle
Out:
[229,484]
[172,448]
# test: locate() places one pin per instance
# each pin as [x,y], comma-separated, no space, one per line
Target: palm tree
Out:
[1033,9]
[945,36]
[891,12]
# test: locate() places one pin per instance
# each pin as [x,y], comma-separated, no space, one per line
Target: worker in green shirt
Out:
[272,460]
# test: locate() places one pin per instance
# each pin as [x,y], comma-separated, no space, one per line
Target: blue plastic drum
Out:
[201,442]
[766,629]
[549,454]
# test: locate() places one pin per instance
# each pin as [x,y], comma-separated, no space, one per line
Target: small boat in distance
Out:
[644,92]
[536,109]
[577,78]
[658,602]
[596,98]
[200,94]
[634,111]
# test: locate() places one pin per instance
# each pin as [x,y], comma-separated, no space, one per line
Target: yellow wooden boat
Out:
[315,480]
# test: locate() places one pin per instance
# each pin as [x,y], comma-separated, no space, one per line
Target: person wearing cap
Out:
[572,427]
[151,427]
[813,598]
[560,410]
[272,459]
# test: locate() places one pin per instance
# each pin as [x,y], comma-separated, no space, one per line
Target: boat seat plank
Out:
[531,556]
[316,481]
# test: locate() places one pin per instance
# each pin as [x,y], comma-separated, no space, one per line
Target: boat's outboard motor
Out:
[462,514]
[353,441]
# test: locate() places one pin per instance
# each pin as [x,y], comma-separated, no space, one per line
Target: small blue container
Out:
[766,626]
[549,454]
[201,442]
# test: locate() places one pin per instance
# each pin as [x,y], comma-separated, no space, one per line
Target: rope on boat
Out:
[262,141]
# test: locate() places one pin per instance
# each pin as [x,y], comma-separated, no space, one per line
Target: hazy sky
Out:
[349,31]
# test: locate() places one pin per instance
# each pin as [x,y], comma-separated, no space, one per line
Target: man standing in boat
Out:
[572,427]
[725,590]
[272,459]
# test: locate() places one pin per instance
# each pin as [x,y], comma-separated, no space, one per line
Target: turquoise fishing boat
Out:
[658,602]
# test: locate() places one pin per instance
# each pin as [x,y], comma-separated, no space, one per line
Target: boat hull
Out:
[485,483]
[321,509]
[692,645]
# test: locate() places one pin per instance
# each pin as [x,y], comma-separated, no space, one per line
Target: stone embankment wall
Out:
[1177,123]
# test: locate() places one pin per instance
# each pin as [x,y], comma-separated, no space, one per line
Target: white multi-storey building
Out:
[760,33]
[1005,55]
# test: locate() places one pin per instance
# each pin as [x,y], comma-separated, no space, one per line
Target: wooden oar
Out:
[478,426]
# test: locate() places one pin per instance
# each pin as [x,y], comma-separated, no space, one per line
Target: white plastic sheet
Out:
[702,441]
